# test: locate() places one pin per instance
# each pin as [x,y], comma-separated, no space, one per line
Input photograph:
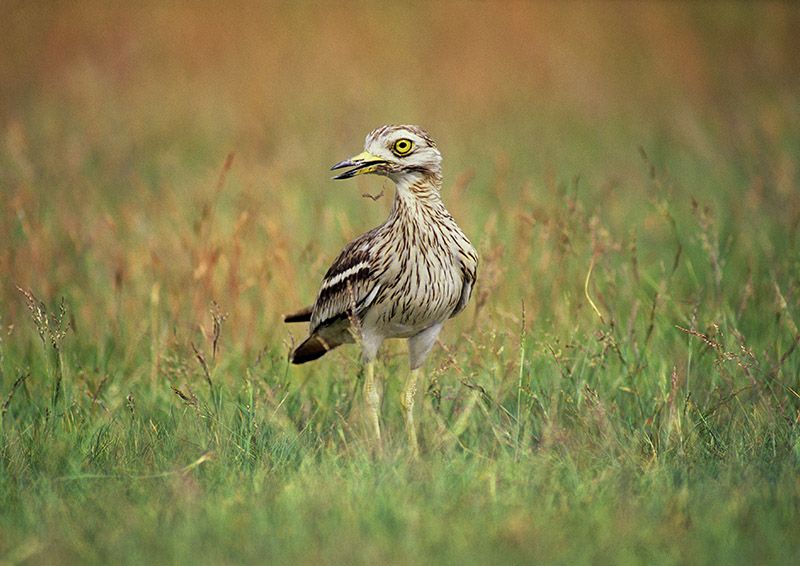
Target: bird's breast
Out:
[421,284]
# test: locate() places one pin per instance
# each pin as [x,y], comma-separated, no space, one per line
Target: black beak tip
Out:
[345,175]
[345,163]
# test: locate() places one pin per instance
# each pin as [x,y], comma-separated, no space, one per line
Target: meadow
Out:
[623,388]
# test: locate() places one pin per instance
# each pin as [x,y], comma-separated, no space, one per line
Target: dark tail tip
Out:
[313,347]
[303,315]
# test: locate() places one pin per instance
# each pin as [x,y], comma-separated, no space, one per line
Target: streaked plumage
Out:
[403,279]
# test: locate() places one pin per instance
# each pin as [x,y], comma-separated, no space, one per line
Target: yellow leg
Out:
[373,400]
[407,402]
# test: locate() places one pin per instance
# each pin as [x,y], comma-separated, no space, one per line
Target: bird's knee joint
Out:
[372,398]
[407,399]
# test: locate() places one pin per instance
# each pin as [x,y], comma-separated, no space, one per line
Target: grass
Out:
[623,388]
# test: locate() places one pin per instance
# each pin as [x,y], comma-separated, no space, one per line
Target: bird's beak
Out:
[362,163]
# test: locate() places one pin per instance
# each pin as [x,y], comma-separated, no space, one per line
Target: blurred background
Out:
[623,387]
[157,157]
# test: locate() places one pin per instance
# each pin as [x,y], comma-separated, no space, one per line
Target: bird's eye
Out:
[402,147]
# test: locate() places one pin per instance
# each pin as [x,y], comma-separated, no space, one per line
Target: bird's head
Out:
[397,152]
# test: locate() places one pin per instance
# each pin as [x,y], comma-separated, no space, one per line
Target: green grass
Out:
[624,387]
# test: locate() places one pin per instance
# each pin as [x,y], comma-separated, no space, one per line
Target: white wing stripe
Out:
[369,298]
[342,275]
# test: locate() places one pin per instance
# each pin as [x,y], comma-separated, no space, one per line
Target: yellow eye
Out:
[403,147]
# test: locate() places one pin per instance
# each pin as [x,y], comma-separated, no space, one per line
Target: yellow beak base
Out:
[363,163]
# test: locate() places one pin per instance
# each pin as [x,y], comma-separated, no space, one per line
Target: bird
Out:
[402,279]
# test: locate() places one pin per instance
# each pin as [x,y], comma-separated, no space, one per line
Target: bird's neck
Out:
[417,196]
[419,187]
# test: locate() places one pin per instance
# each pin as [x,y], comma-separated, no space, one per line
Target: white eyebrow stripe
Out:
[342,275]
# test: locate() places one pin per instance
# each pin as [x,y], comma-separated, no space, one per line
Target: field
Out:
[623,388]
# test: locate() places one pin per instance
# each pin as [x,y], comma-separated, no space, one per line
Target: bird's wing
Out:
[349,287]
[468,259]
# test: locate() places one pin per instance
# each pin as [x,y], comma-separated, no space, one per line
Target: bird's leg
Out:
[419,346]
[372,399]
[407,402]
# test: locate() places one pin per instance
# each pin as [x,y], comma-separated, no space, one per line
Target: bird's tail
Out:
[312,348]
[303,315]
